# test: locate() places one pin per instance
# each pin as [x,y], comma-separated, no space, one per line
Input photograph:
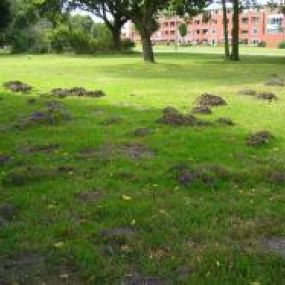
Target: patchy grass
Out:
[137,219]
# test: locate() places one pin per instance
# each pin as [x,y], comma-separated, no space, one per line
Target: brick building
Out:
[257,24]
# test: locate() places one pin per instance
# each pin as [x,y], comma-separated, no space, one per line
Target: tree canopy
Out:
[5,13]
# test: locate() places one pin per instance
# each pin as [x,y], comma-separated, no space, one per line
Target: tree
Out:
[226,33]
[114,13]
[182,30]
[235,31]
[144,16]
[56,11]
[5,14]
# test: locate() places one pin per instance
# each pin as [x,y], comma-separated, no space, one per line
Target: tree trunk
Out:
[148,55]
[235,32]
[116,34]
[226,33]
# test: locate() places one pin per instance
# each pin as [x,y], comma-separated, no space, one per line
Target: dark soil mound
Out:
[276,177]
[136,151]
[143,280]
[17,86]
[247,92]
[206,174]
[225,121]
[259,138]
[53,114]
[172,116]
[21,269]
[275,81]
[7,212]
[202,110]
[269,96]
[90,196]
[48,148]
[111,121]
[141,132]
[115,233]
[4,159]
[77,91]
[275,245]
[209,100]
[23,176]
[32,268]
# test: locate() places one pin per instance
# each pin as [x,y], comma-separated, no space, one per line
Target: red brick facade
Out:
[256,25]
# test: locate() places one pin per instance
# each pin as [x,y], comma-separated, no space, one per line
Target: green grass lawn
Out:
[208,232]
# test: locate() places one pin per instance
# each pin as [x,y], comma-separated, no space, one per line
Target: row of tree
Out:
[115,13]
[143,13]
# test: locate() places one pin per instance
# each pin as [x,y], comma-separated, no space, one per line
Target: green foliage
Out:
[81,43]
[5,14]
[65,38]
[281,45]
[127,44]
[182,30]
[60,39]
[261,44]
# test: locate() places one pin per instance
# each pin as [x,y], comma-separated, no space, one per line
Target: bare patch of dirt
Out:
[136,151]
[206,174]
[275,81]
[22,269]
[259,138]
[77,91]
[23,176]
[206,110]
[172,116]
[32,268]
[276,177]
[135,279]
[111,121]
[210,100]
[7,212]
[183,272]
[53,114]
[31,101]
[225,121]
[39,148]
[275,245]
[66,169]
[247,92]
[105,151]
[4,158]
[89,196]
[268,96]
[17,86]
[119,232]
[141,132]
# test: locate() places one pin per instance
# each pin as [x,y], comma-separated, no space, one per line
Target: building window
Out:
[274,24]
[244,32]
[255,20]
[244,20]
[213,32]
[254,31]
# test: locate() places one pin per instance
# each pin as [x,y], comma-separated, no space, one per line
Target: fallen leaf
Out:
[59,244]
[126,198]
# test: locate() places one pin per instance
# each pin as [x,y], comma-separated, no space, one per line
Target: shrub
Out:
[127,44]
[60,39]
[81,43]
[281,45]
[261,44]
